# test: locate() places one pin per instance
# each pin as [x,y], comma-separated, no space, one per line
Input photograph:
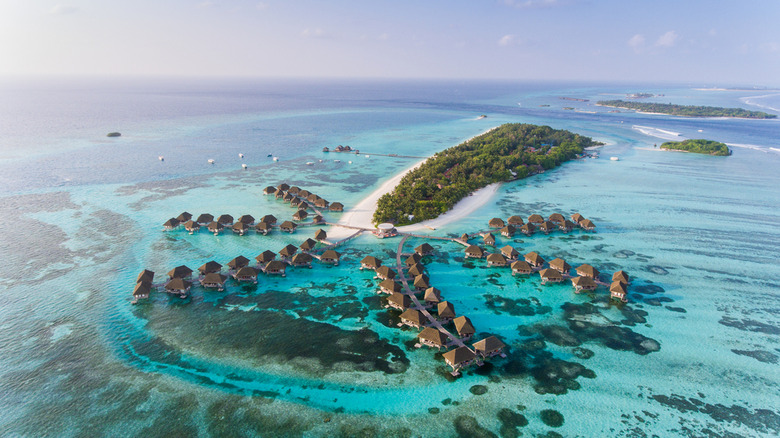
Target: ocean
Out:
[694,352]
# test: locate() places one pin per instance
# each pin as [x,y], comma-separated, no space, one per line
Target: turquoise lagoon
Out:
[694,352]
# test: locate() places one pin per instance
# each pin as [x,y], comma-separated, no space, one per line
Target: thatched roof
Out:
[413,259]
[321,203]
[560,265]
[266,256]
[535,218]
[171,223]
[547,226]
[288,225]
[184,217]
[550,274]
[432,295]
[521,266]
[567,225]
[508,231]
[618,288]
[209,267]
[205,218]
[246,272]
[294,190]
[385,272]
[587,224]
[490,343]
[302,259]
[528,228]
[509,252]
[312,197]
[621,276]
[262,226]
[399,300]
[464,237]
[180,272]
[422,280]
[463,326]
[283,187]
[142,289]
[458,355]
[308,244]
[225,219]
[215,226]
[214,278]
[191,225]
[269,190]
[414,316]
[445,309]
[496,223]
[390,285]
[247,219]
[145,276]
[238,262]
[424,249]
[269,219]
[534,258]
[515,220]
[320,234]
[336,206]
[303,193]
[288,250]
[496,259]
[177,284]
[416,269]
[241,226]
[300,215]
[330,255]
[474,251]
[433,336]
[275,266]
[489,239]
[556,217]
[587,270]
[583,282]
[371,262]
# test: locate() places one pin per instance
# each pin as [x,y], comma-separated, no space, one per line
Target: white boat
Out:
[701,130]
[161,158]
[309,163]
[211,161]
[276,158]
[240,155]
[244,166]
[367,156]
[614,158]
[349,162]
[337,161]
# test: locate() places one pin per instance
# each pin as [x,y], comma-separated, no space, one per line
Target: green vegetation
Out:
[698,146]
[113,134]
[687,110]
[511,151]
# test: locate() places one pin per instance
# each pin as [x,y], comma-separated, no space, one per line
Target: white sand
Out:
[461,210]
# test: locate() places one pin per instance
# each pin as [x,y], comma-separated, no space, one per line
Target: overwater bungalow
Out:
[534,259]
[550,276]
[191,226]
[214,280]
[413,318]
[312,197]
[320,235]
[424,249]
[321,203]
[294,190]
[370,262]
[300,215]
[171,224]
[587,224]
[422,282]
[520,267]
[288,251]
[178,286]
[432,296]
[308,244]
[317,219]
[303,194]
[184,217]
[215,227]
[225,219]
[583,283]
[459,358]
[399,301]
[141,291]
[247,219]
[303,206]
[389,286]
[464,327]
[621,276]
[446,311]
[283,187]
[556,217]
[528,229]
[516,221]
[586,270]
[385,273]
[263,227]
[566,226]
[270,190]
[464,237]
[560,265]
[474,252]
[209,267]
[508,231]
[416,269]
[301,260]
[618,291]
[496,223]
[576,218]
[247,273]
[330,256]
[489,239]
[510,253]
[288,227]
[205,219]
[238,263]
[413,259]
[295,202]
[241,228]
[336,206]
[547,227]
[385,230]
[180,272]
[280,194]
[275,267]
[289,197]
[535,219]
[489,347]
[265,257]
[496,260]
[145,276]
[269,219]
[432,337]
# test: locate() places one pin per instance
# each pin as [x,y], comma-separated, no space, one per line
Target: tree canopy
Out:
[687,110]
[698,146]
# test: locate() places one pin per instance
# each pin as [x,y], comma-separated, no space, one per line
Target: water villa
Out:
[587,225]
[265,257]
[215,227]
[508,231]
[587,270]
[320,235]
[464,327]
[546,227]
[515,220]
[446,311]
[331,257]
[459,358]
[178,286]
[496,223]
[560,265]
[214,280]
[399,301]
[385,230]
[300,215]
[583,283]
[226,220]
[283,187]
[496,260]
[416,269]
[510,253]
[370,262]
[618,291]
[263,227]
[520,267]
[294,190]
[557,218]
[146,276]
[238,263]
[424,249]
[489,239]
[180,272]
[413,318]
[464,237]
[288,227]
[535,219]
[184,217]
[275,267]
[303,193]
[205,219]
[620,276]
[576,217]
[270,190]
[269,219]
[318,220]
[247,219]
[288,251]
[241,228]
[141,291]
[422,282]
[534,259]
[301,260]
[432,296]
[413,259]
[171,224]
[308,244]
[191,226]
[321,203]
[550,276]
[489,347]
[209,267]
[247,273]
[528,229]
[432,337]
[389,286]
[474,252]
[336,206]
[385,273]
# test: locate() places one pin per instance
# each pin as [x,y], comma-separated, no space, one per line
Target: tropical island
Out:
[508,152]
[699,146]
[687,110]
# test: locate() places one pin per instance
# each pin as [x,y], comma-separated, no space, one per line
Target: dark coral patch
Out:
[552,417]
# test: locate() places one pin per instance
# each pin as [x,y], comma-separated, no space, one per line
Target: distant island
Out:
[508,152]
[113,134]
[700,146]
[687,110]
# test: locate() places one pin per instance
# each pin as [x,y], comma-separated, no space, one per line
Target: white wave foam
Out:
[750,146]
[657,132]
[752,101]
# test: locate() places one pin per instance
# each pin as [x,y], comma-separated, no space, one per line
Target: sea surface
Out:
[694,352]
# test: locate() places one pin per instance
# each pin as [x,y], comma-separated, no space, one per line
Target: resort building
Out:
[489,239]
[247,219]
[321,203]
[535,219]
[238,263]
[432,296]
[547,227]
[241,228]
[424,249]
[557,218]
[413,318]
[459,358]
[385,273]
[385,230]
[331,257]
[263,227]
[209,267]
[294,190]
[516,221]
[275,267]
[528,229]
[508,231]
[583,283]
[510,253]
[550,276]
[205,219]
[496,260]
[226,220]
[303,193]
[300,215]
[191,226]
[446,311]
[432,337]
[416,269]
[178,286]
[288,226]
[496,223]
[413,259]
[145,276]
[399,301]
[576,218]
[320,235]
[474,252]
[464,237]
[620,276]
[464,327]
[336,206]
[215,227]
[389,286]
[560,265]
[269,219]
[520,267]
[184,217]
[301,260]
[370,262]
[587,225]
[288,251]
[265,257]
[180,272]
[269,190]
[534,259]
[489,347]
[421,282]
[566,226]
[171,224]
[283,187]
[214,280]
[587,270]
[308,244]
[618,291]
[142,290]
[317,219]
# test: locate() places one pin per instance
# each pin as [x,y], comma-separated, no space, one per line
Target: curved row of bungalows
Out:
[242,226]
[462,357]
[295,195]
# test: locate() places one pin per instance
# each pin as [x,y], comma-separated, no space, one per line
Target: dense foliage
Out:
[698,146]
[687,110]
[510,151]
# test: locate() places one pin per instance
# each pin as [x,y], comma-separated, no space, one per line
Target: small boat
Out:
[270,155]
[161,158]
[614,158]
[309,163]
[349,162]
[337,161]
[276,158]
[240,155]
[367,156]
[319,161]
[211,161]
[701,130]
[244,166]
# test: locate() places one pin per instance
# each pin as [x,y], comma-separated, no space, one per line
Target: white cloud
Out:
[205,4]
[636,42]
[523,4]
[261,6]
[63,10]
[383,37]
[668,39]
[506,40]
[313,33]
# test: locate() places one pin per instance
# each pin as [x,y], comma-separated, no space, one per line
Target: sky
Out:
[703,41]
